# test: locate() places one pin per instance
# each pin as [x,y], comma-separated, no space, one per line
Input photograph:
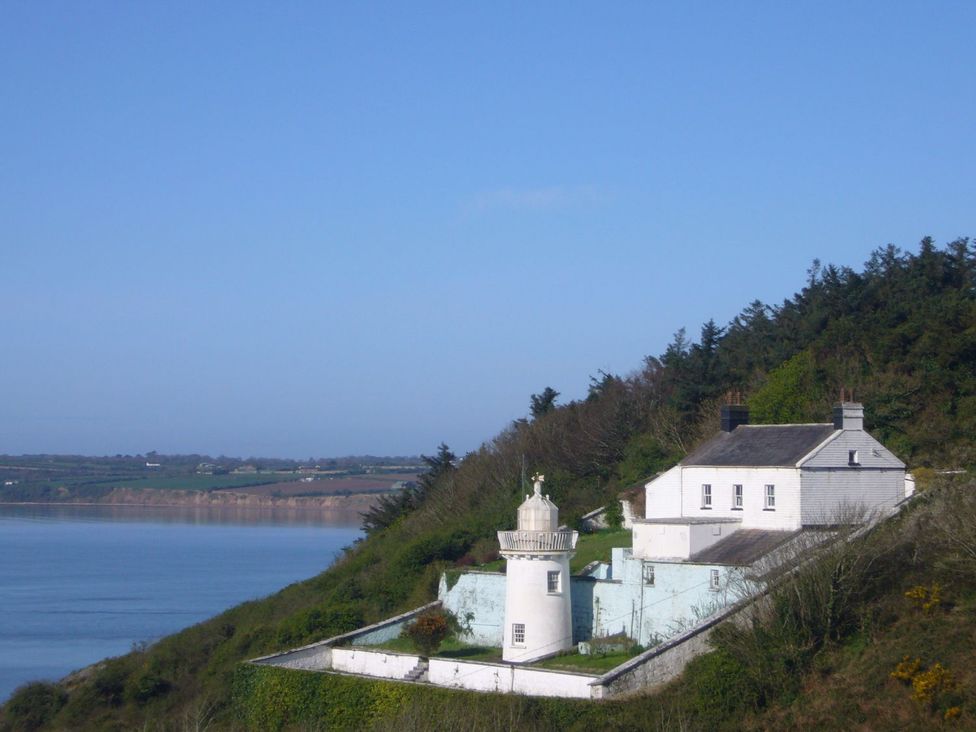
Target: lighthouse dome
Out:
[537,512]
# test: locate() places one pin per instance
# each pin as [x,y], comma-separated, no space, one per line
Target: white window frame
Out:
[714,580]
[737,496]
[648,575]
[706,495]
[518,634]
[554,582]
[853,458]
[770,497]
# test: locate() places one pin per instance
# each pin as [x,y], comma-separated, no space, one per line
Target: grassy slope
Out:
[852,686]
[597,546]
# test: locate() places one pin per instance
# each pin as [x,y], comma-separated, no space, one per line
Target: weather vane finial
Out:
[537,485]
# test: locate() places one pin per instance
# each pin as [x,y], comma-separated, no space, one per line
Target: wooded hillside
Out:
[901,334]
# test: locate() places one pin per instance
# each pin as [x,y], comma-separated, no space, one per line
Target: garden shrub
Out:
[428,631]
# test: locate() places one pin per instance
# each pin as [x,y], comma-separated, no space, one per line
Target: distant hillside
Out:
[901,334]
[80,479]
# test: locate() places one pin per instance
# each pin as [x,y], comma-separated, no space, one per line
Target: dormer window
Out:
[852,458]
[770,498]
[737,497]
[706,495]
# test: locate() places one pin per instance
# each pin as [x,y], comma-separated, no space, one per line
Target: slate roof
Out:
[743,547]
[775,445]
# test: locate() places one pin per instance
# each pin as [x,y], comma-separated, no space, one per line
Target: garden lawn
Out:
[597,546]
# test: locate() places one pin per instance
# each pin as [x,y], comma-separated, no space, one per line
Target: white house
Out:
[769,481]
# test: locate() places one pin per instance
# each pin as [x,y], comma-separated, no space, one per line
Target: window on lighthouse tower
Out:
[518,634]
[553,582]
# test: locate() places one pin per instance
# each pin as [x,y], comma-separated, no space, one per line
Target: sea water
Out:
[80,583]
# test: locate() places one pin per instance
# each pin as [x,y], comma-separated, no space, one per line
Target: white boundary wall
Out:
[507,678]
[381,664]
[319,656]
[662,663]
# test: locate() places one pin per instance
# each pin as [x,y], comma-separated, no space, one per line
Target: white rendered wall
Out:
[681,594]
[547,616]
[661,540]
[677,541]
[470,675]
[547,683]
[477,600]
[381,664]
[785,516]
[628,512]
[663,495]
[506,679]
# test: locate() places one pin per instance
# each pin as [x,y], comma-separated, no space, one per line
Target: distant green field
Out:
[198,482]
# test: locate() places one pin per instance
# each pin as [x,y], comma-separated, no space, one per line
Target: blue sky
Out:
[311,229]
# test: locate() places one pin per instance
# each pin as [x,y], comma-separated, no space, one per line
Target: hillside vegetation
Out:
[901,334]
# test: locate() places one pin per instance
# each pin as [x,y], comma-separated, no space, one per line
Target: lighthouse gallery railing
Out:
[537,541]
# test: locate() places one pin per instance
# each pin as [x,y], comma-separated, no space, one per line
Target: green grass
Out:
[496,565]
[450,648]
[597,546]
[585,664]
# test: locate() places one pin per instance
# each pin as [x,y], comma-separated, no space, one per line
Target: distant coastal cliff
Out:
[168,497]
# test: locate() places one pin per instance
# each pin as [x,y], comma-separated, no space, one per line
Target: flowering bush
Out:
[428,631]
[926,685]
[906,670]
[927,598]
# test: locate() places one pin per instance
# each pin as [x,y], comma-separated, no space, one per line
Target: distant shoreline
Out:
[164,497]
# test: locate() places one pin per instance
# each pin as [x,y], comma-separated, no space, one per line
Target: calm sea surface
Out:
[81,583]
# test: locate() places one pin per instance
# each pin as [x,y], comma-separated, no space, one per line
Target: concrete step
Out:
[418,672]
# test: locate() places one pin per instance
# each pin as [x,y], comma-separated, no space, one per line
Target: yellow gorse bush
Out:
[906,670]
[926,685]
[926,598]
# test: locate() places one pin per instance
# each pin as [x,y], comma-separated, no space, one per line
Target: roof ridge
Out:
[792,424]
[771,445]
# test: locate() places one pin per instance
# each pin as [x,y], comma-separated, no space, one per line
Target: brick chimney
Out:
[733,415]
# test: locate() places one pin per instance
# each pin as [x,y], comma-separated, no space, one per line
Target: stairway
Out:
[419,672]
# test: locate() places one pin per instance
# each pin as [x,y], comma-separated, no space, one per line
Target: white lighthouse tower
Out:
[538,608]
